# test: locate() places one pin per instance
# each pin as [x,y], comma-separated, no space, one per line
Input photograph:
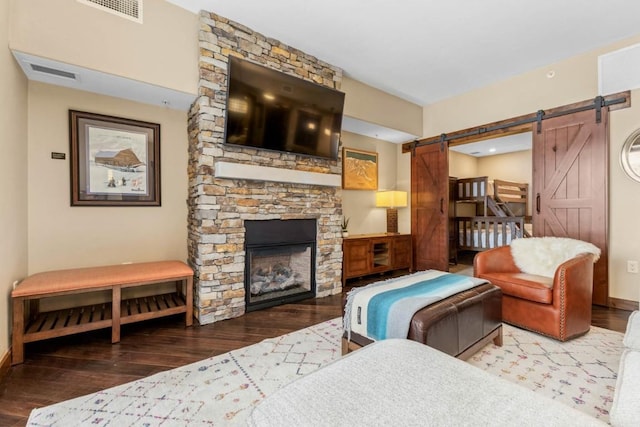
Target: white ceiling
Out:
[492,147]
[426,50]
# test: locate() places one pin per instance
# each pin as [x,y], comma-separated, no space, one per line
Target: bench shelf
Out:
[58,323]
[30,324]
[69,321]
[145,308]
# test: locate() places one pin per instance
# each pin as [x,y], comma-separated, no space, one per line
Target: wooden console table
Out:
[367,254]
[29,324]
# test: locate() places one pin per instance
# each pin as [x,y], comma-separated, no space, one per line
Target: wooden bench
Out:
[29,324]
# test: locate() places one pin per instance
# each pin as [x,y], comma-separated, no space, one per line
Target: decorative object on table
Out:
[359,169]
[114,161]
[345,226]
[630,156]
[392,200]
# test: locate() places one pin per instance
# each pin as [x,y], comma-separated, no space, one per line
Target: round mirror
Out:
[630,156]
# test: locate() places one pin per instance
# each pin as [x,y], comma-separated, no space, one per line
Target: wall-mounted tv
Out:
[275,111]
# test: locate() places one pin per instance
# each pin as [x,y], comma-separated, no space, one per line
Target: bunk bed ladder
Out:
[502,209]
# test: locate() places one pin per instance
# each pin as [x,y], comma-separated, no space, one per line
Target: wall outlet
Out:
[632,266]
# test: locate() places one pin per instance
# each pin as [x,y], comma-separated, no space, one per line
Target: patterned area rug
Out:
[580,373]
[223,389]
[219,391]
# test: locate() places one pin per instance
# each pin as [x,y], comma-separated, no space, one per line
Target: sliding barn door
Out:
[570,169]
[429,206]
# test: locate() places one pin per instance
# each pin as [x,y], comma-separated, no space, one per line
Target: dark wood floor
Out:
[68,367]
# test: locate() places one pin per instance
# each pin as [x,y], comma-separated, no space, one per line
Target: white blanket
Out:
[405,383]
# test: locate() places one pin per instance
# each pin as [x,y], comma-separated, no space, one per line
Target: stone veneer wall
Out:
[218,207]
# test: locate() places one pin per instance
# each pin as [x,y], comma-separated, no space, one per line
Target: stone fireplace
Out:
[233,187]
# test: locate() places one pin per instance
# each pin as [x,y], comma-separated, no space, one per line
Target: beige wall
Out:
[13,175]
[366,103]
[360,205]
[624,205]
[575,80]
[516,167]
[462,165]
[163,50]
[375,106]
[61,236]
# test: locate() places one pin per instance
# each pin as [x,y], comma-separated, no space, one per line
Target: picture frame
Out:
[114,161]
[359,169]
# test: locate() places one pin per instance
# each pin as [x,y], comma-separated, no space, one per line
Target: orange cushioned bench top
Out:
[77,279]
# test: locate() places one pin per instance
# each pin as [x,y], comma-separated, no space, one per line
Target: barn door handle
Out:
[538,203]
[441,205]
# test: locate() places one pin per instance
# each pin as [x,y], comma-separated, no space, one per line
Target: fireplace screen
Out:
[277,272]
[280,263]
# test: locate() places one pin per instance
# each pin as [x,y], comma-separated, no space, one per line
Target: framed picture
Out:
[359,169]
[114,161]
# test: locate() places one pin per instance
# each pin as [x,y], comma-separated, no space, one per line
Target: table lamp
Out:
[391,200]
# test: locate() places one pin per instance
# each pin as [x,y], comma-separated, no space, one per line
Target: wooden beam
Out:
[513,125]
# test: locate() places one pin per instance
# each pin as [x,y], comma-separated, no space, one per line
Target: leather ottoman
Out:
[458,326]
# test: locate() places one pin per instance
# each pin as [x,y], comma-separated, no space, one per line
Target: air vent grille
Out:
[53,71]
[131,9]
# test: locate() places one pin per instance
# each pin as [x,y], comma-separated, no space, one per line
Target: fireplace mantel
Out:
[265,173]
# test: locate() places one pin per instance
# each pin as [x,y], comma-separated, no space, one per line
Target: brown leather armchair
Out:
[559,308]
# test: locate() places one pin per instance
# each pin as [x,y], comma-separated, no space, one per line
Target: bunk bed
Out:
[498,212]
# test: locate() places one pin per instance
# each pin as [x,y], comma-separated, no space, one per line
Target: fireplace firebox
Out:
[280,262]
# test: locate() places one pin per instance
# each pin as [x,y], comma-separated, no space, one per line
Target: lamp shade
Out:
[391,199]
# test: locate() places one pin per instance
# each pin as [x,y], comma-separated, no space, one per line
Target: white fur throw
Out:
[542,255]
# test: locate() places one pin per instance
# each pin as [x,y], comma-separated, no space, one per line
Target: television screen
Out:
[272,110]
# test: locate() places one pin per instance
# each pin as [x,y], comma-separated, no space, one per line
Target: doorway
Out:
[574,138]
[507,158]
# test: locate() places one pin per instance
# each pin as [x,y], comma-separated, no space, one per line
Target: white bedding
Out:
[479,238]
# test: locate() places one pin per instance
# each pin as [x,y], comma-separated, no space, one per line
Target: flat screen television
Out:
[275,111]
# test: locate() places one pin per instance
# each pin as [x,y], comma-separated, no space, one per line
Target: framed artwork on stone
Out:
[359,169]
[114,161]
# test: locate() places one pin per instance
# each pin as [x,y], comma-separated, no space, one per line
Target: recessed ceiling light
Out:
[492,150]
[551,74]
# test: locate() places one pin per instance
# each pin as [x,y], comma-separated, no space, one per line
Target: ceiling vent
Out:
[53,71]
[130,9]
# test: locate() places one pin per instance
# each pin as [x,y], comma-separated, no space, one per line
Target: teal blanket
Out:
[384,309]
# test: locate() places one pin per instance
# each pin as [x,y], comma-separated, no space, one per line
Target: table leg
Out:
[188,284]
[17,340]
[115,314]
